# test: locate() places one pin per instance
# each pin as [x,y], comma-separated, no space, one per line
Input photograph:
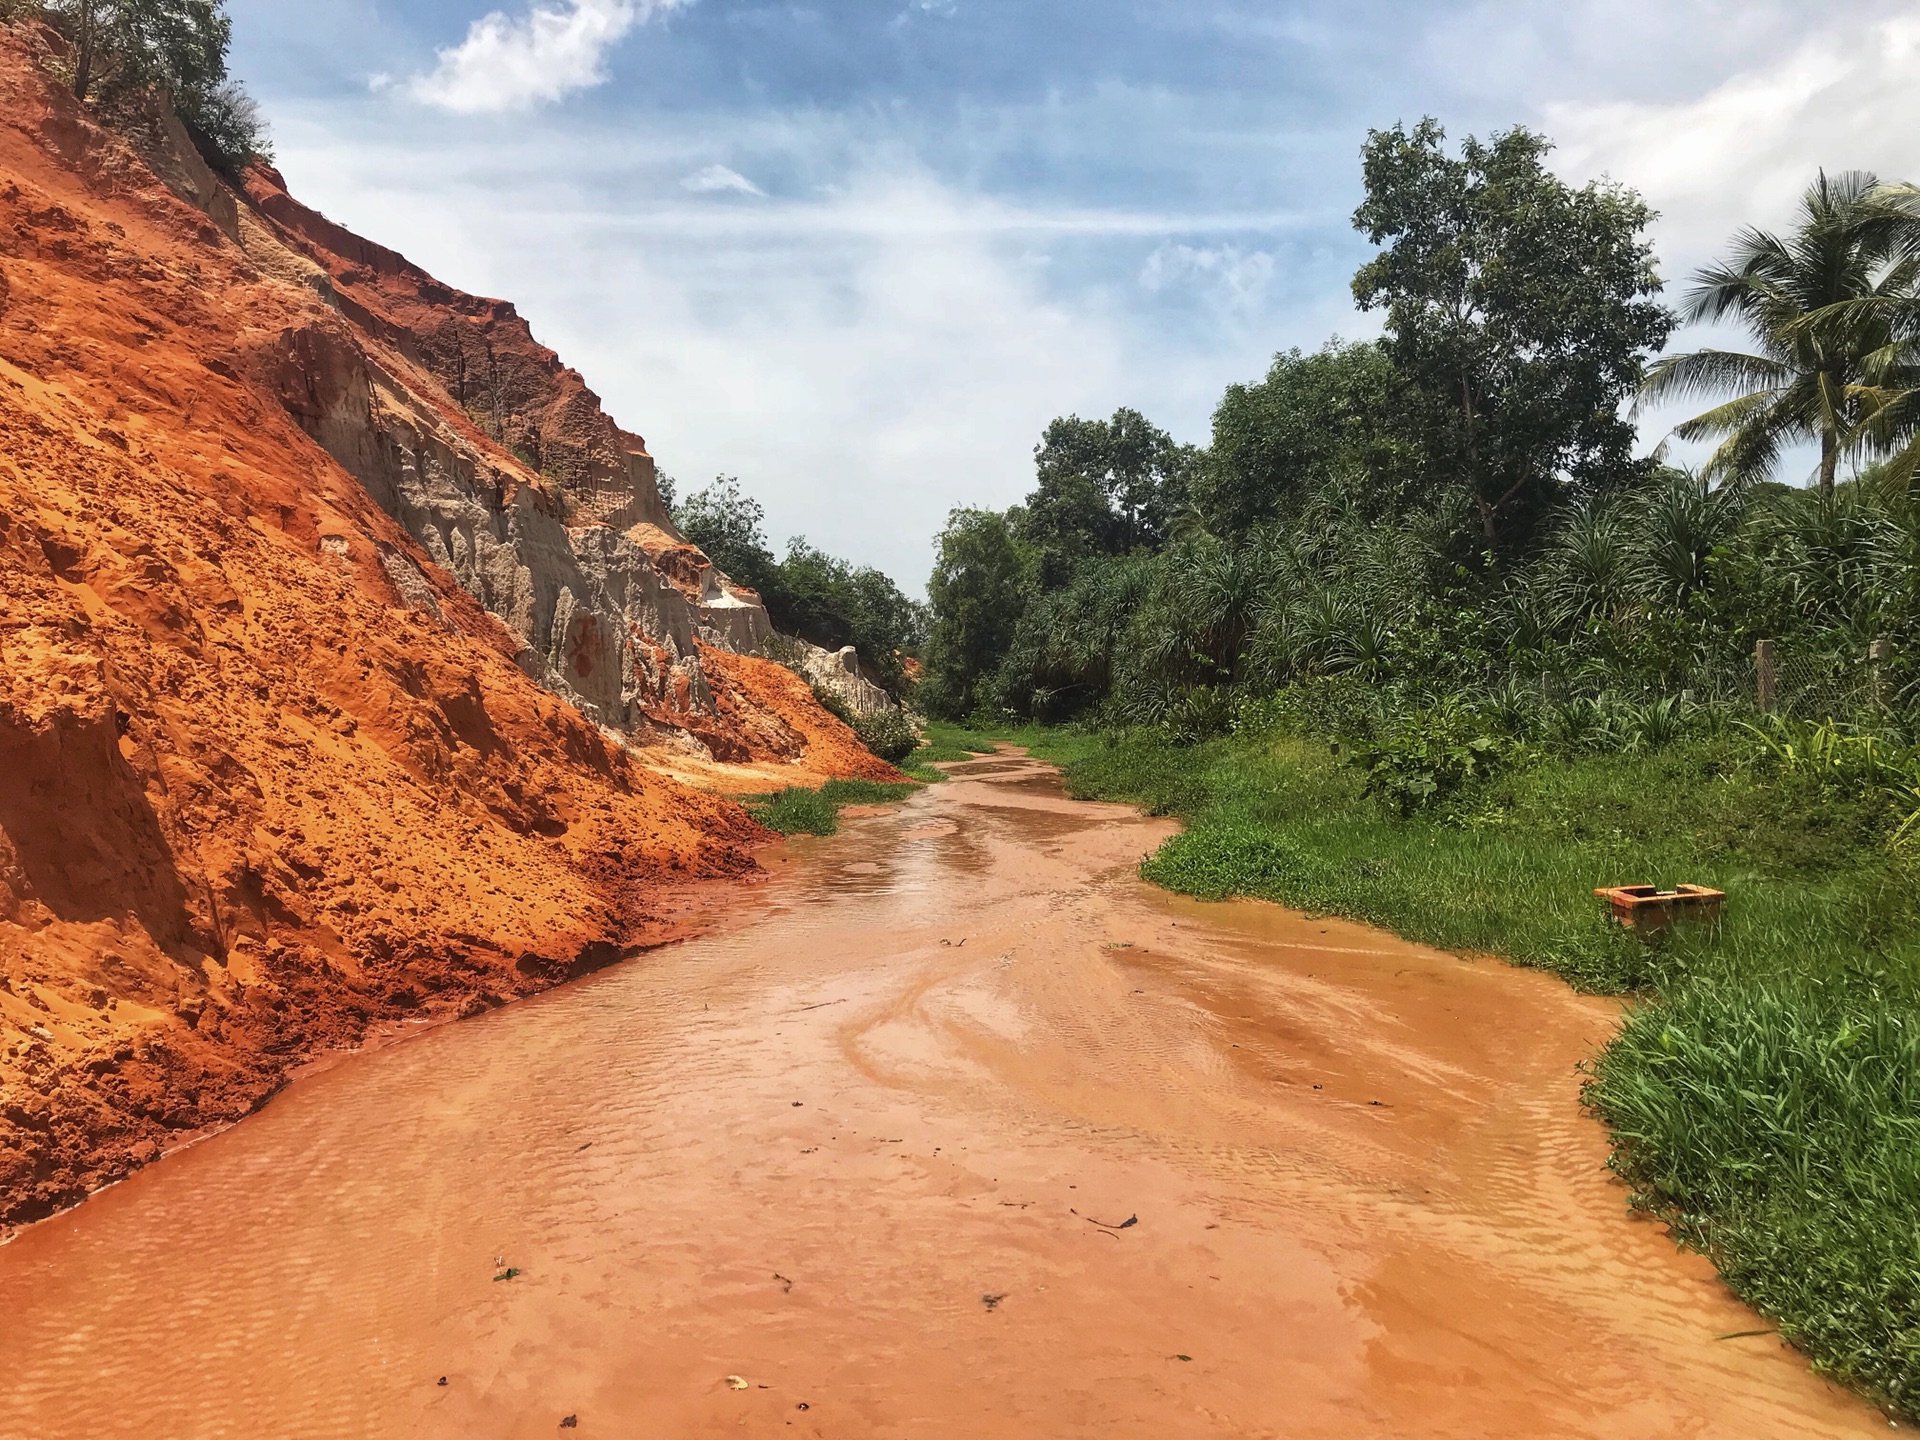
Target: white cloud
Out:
[509,64]
[1226,273]
[1744,151]
[718,179]
[865,359]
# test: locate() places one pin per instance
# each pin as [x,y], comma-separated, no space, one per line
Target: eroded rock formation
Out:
[522,488]
[321,709]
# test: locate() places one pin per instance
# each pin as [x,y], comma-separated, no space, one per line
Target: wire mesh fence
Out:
[1799,684]
[1848,687]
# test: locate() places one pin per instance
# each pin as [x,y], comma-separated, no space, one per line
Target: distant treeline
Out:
[808,593]
[1456,509]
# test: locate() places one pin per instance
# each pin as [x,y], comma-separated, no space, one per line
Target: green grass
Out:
[1764,1095]
[798,811]
[946,741]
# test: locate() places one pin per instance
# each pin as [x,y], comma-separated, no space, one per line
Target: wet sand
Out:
[906,1078]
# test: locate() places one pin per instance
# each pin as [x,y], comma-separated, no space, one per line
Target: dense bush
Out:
[888,734]
[1455,508]
[1423,760]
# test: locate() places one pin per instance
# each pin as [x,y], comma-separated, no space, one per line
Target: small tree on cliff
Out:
[176,46]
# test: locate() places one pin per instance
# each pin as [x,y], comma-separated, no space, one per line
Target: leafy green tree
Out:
[1314,419]
[1520,312]
[177,46]
[730,525]
[831,603]
[1069,643]
[180,45]
[1106,487]
[1826,305]
[809,593]
[980,584]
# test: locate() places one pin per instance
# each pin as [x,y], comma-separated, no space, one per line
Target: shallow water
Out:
[910,1075]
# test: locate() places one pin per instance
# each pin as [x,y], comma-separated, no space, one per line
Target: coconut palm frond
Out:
[1833,309]
[1747,410]
[1710,372]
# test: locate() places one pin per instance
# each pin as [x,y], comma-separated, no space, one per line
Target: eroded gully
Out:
[808,1150]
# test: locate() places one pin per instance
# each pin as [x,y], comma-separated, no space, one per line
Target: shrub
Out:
[888,734]
[1419,761]
[831,702]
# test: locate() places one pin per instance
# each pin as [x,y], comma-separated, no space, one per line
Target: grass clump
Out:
[946,741]
[1764,1095]
[800,811]
[1774,1120]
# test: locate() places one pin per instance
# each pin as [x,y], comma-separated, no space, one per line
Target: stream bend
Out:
[870,1148]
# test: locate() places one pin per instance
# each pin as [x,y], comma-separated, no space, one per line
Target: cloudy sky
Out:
[858,252]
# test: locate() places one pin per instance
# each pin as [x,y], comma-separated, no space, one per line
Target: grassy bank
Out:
[799,811]
[1764,1096]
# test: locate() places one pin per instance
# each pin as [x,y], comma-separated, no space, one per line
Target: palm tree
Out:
[1889,396]
[1819,303]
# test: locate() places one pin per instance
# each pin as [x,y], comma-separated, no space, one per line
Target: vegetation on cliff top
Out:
[119,50]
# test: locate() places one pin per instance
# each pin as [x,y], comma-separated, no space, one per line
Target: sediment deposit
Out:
[335,618]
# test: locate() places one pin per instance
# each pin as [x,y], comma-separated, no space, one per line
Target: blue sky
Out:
[859,253]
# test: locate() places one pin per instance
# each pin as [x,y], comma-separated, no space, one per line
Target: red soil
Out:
[503,382]
[254,806]
[765,708]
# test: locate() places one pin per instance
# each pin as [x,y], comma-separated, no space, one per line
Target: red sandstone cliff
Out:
[317,700]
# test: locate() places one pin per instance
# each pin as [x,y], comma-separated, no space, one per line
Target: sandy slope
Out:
[256,801]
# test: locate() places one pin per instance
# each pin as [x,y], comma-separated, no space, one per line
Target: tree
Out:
[1823,305]
[1519,310]
[1313,419]
[180,45]
[1106,487]
[978,589]
[729,525]
[809,594]
[830,603]
[176,46]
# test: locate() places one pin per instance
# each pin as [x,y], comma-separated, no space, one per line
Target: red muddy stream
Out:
[906,1077]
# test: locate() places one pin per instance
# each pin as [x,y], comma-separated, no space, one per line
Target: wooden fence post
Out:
[1878,654]
[1763,674]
